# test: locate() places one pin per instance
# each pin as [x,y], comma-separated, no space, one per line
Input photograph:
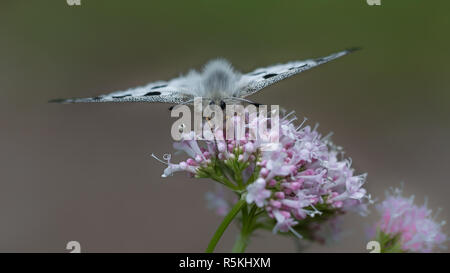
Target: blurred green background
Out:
[83,172]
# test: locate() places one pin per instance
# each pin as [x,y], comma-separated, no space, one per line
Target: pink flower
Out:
[284,223]
[417,229]
[303,172]
[257,193]
[298,177]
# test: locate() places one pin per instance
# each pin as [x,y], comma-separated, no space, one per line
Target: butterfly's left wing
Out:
[160,91]
[252,82]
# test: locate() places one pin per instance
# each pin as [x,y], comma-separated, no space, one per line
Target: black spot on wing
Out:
[319,60]
[154,93]
[119,97]
[159,86]
[269,75]
[97,98]
[295,67]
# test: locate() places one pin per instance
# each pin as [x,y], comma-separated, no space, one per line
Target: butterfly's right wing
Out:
[167,92]
[252,82]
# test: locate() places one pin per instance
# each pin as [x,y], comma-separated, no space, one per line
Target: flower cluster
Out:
[406,227]
[299,177]
[304,177]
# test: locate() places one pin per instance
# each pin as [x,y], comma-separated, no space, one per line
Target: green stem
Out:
[389,243]
[223,226]
[241,243]
[248,225]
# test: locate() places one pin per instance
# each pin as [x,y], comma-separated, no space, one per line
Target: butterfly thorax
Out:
[219,81]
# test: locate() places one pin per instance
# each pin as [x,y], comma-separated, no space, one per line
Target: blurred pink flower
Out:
[217,202]
[417,229]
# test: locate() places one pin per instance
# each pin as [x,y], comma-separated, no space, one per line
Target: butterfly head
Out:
[218,102]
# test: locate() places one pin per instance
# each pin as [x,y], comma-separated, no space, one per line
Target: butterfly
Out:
[218,83]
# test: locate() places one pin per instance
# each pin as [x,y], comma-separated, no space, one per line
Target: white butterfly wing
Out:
[185,88]
[174,91]
[260,78]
